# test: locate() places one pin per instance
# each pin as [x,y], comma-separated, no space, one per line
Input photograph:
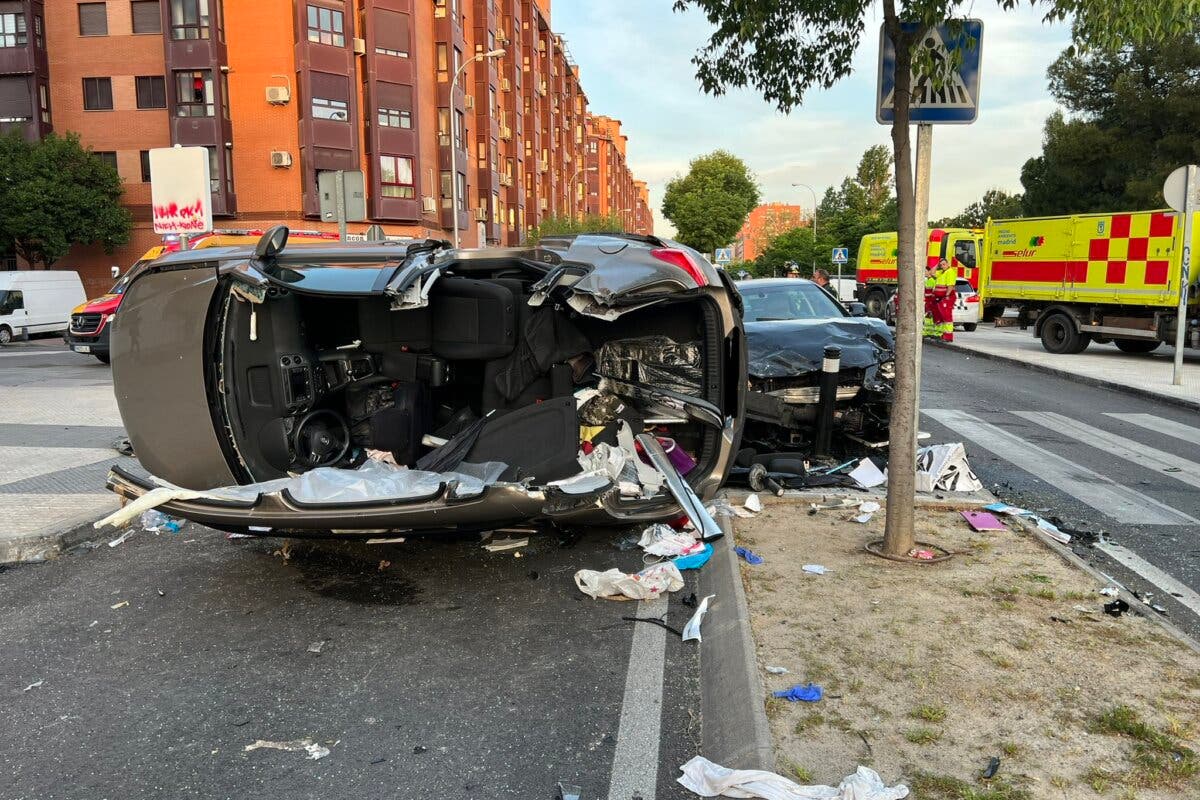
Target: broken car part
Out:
[706,527]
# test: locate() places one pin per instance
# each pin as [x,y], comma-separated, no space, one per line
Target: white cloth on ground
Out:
[653,581]
[712,780]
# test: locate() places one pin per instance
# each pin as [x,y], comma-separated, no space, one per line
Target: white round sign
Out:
[1175,189]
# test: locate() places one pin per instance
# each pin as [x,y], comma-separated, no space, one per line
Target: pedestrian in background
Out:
[930,328]
[944,279]
[821,278]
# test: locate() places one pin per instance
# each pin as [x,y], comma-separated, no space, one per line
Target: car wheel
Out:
[6,335]
[1136,346]
[1060,336]
[103,359]
[875,301]
[970,326]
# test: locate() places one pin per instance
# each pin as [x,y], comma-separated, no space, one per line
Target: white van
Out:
[37,301]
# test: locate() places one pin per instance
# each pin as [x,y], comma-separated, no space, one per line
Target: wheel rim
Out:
[1057,335]
[5,336]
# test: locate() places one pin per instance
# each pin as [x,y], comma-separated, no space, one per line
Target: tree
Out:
[709,205]
[995,204]
[796,245]
[55,194]
[592,223]
[865,203]
[783,48]
[1133,120]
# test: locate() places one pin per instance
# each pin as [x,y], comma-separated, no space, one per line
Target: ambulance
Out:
[1092,278]
[876,267]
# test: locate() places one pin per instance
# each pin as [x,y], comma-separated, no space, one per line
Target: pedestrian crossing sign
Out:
[841,255]
[951,94]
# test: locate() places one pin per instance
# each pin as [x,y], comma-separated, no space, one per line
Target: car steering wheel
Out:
[318,442]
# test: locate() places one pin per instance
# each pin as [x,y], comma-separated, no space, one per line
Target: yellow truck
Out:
[1091,277]
[876,267]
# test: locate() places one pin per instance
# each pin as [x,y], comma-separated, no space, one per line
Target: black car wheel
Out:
[1061,337]
[970,326]
[875,301]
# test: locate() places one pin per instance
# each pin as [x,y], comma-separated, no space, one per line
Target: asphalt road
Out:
[1095,460]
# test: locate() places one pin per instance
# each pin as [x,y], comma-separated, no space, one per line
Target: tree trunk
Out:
[898,536]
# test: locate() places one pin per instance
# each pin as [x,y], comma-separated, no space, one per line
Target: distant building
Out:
[763,225]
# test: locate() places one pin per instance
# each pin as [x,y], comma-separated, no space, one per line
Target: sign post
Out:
[1182,193]
[841,255]
[180,196]
[343,198]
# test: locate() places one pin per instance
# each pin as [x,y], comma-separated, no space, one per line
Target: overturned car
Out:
[408,386]
[789,322]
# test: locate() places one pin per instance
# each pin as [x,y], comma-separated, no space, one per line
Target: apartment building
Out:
[433,100]
[763,225]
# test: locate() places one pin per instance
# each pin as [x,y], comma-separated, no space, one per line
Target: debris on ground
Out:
[944,467]
[866,511]
[500,545]
[815,569]
[921,554]
[1044,525]
[691,631]
[121,604]
[34,685]
[565,791]
[753,504]
[749,555]
[315,647]
[392,540]
[981,521]
[663,540]
[651,582]
[695,560]
[157,522]
[122,538]
[315,751]
[805,693]
[778,670]
[711,780]
[830,505]
[867,475]
[123,446]
[1110,591]
[1116,608]
[993,766]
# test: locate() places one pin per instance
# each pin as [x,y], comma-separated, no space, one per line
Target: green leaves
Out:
[995,204]
[709,205]
[592,223]
[54,194]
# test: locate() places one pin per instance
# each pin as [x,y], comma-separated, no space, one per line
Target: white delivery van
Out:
[37,301]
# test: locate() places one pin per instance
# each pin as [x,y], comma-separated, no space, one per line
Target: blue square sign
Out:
[841,255]
[956,101]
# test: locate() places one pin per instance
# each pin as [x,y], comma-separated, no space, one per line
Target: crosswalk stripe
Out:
[1117,445]
[1152,422]
[1101,493]
[1130,559]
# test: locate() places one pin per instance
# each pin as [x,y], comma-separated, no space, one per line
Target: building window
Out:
[190,19]
[326,26]
[147,16]
[396,177]
[194,94]
[38,36]
[392,33]
[107,156]
[8,263]
[93,19]
[214,170]
[44,102]
[145,157]
[447,199]
[459,129]
[12,30]
[443,63]
[151,91]
[323,108]
[97,94]
[395,118]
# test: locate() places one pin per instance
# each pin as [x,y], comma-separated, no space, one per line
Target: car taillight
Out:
[973,298]
[682,260]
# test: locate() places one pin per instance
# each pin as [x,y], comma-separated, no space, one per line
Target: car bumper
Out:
[92,344]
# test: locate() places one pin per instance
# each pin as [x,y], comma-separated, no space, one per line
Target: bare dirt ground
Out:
[930,671]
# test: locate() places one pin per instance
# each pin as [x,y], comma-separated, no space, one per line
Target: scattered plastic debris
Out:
[813,508]
[695,560]
[707,779]
[500,545]
[419,749]
[815,569]
[753,504]
[651,582]
[315,647]
[121,604]
[867,475]
[944,467]
[806,693]
[663,540]
[749,555]
[921,554]
[565,791]
[232,536]
[1110,591]
[315,751]
[1116,608]
[392,540]
[779,670]
[1043,524]
[992,768]
[157,522]
[34,685]
[123,446]
[121,539]
[983,521]
[691,631]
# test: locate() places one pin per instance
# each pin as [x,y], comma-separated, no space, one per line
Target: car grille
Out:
[85,323]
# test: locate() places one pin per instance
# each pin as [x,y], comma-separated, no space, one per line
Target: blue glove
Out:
[748,554]
[809,694]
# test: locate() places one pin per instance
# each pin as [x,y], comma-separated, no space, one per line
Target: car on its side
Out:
[789,322]
[356,389]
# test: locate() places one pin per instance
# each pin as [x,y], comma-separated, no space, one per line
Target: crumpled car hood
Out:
[789,348]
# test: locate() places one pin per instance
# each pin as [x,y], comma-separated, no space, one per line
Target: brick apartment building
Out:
[764,224]
[281,90]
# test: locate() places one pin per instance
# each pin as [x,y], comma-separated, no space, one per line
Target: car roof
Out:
[766,283]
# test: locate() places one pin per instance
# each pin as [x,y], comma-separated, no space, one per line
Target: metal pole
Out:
[814,195]
[1185,274]
[183,241]
[924,160]
[339,189]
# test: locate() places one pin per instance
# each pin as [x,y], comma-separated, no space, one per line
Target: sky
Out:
[635,62]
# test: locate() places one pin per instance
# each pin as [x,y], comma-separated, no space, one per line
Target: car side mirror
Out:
[856,309]
[271,243]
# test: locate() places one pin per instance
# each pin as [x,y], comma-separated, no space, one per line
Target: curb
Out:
[1087,380]
[51,542]
[733,726]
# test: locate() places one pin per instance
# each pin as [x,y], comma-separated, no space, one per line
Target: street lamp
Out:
[575,177]
[814,194]
[454,144]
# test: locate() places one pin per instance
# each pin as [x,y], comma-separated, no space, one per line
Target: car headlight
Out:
[887,370]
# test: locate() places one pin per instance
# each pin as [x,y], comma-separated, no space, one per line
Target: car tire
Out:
[876,301]
[1136,346]
[103,359]
[1060,336]
[6,335]
[970,326]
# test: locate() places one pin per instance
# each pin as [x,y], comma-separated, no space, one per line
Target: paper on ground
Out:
[753,503]
[867,475]
[692,629]
[712,780]
[815,569]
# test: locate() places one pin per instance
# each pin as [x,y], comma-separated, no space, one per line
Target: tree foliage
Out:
[709,205]
[1132,121]
[592,223]
[55,194]
[995,204]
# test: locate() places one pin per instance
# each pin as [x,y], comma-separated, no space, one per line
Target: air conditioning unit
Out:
[281,158]
[505,132]
[278,95]
[469,101]
[360,46]
[428,205]
[481,215]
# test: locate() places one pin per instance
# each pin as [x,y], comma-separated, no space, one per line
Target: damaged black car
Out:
[362,389]
[789,322]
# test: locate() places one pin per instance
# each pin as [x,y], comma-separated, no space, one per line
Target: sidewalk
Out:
[1148,375]
[59,423]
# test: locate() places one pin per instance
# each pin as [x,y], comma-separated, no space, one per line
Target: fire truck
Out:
[876,267]
[1092,277]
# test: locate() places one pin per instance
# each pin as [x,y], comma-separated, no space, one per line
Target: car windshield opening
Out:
[793,301]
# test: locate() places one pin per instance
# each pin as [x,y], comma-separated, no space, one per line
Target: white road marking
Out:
[635,762]
[41,353]
[1130,559]
[1103,494]
[1119,446]
[1151,422]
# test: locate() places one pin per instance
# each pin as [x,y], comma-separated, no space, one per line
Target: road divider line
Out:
[1091,488]
[635,761]
[1131,560]
[1134,452]
[1157,424]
